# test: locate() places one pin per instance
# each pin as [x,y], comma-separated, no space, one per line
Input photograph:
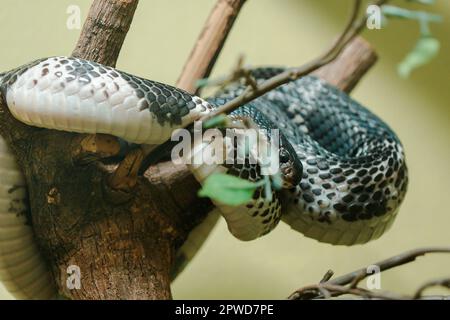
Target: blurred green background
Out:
[283,32]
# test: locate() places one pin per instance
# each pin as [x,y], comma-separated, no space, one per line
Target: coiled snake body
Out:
[351,169]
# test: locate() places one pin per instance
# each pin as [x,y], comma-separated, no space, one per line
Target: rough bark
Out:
[123,241]
[209,44]
[104,30]
[355,60]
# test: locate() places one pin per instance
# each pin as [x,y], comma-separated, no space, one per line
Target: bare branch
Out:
[327,276]
[445,282]
[344,72]
[328,290]
[105,30]
[209,44]
[89,147]
[348,284]
[291,74]
[348,68]
[101,39]
[352,61]
[391,262]
[157,216]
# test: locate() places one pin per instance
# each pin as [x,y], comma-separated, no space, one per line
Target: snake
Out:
[343,169]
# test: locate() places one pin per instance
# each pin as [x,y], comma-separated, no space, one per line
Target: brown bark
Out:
[209,44]
[104,30]
[348,283]
[354,61]
[123,242]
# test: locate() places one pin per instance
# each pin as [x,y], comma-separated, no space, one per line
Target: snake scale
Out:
[343,168]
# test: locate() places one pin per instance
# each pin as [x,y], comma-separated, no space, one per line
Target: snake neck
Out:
[2,83]
[2,78]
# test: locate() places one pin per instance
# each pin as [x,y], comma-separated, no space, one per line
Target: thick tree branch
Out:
[350,66]
[104,30]
[148,247]
[356,59]
[209,44]
[351,30]
[124,242]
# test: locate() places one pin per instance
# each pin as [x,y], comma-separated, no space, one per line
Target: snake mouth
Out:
[291,167]
[291,174]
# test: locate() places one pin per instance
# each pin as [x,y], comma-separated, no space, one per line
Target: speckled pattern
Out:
[354,172]
[352,164]
[248,221]
[72,94]
[23,271]
[260,215]
[351,169]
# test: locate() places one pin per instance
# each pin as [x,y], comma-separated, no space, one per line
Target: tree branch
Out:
[351,30]
[104,30]
[389,263]
[338,286]
[146,234]
[358,56]
[444,282]
[209,44]
[124,242]
[350,66]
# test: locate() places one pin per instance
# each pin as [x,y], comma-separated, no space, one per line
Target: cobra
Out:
[344,169]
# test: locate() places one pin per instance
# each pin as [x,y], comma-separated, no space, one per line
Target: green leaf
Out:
[217,121]
[200,83]
[397,12]
[208,82]
[277,181]
[423,1]
[228,189]
[267,188]
[425,50]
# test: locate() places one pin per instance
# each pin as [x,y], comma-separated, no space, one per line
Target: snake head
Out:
[291,167]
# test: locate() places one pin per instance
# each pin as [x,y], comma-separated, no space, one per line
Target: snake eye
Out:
[284,156]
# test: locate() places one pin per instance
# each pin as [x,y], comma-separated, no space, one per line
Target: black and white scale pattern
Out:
[72,94]
[354,171]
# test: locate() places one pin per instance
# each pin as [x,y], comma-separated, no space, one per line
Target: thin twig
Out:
[327,276]
[345,75]
[347,29]
[209,43]
[390,263]
[344,72]
[238,73]
[351,29]
[348,283]
[328,290]
[445,282]
[253,91]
